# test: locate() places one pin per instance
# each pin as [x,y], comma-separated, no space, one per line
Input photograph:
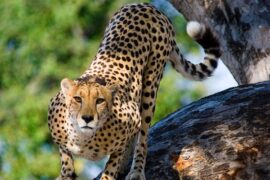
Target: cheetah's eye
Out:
[77,99]
[100,100]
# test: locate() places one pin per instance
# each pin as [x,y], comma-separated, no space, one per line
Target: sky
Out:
[222,79]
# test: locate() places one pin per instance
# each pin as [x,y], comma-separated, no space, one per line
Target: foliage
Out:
[41,42]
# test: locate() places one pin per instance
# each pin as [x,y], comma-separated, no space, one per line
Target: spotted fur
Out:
[114,99]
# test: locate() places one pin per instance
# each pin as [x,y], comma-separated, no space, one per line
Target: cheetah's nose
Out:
[87,118]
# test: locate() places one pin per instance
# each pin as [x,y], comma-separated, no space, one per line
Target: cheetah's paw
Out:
[135,175]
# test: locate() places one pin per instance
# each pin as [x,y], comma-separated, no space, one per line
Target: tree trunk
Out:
[243,28]
[223,136]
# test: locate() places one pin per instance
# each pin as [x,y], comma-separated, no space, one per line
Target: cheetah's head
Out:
[89,103]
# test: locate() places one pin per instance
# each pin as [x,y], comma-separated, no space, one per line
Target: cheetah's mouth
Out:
[86,127]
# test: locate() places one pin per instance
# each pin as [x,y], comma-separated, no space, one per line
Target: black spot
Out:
[129,45]
[186,67]
[139,38]
[201,75]
[213,63]
[127,67]
[137,28]
[122,18]
[154,30]
[147,119]
[121,65]
[131,26]
[136,42]
[162,29]
[146,94]
[128,59]
[125,52]
[193,69]
[148,25]
[143,9]
[125,9]
[145,39]
[121,43]
[142,22]
[205,69]
[154,19]
[165,53]
[142,132]
[145,106]
[152,94]
[130,34]
[145,16]
[127,40]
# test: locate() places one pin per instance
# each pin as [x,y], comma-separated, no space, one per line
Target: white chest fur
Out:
[81,147]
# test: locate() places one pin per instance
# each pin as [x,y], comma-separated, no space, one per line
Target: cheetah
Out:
[114,99]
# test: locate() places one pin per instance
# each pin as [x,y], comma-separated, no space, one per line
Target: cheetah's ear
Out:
[113,88]
[66,85]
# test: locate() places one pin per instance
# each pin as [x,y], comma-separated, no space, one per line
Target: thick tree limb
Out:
[225,135]
[243,27]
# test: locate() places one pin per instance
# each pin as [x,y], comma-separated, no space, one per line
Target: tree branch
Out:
[223,136]
[226,134]
[243,28]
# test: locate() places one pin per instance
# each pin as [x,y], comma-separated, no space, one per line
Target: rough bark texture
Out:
[243,27]
[223,136]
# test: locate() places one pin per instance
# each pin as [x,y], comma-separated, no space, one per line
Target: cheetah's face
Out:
[89,104]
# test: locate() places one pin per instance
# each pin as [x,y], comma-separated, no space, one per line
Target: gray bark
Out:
[223,136]
[243,28]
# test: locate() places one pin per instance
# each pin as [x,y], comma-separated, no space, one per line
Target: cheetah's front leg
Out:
[67,168]
[112,167]
[140,152]
[138,163]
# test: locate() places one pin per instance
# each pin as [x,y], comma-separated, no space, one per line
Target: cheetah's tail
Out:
[208,41]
